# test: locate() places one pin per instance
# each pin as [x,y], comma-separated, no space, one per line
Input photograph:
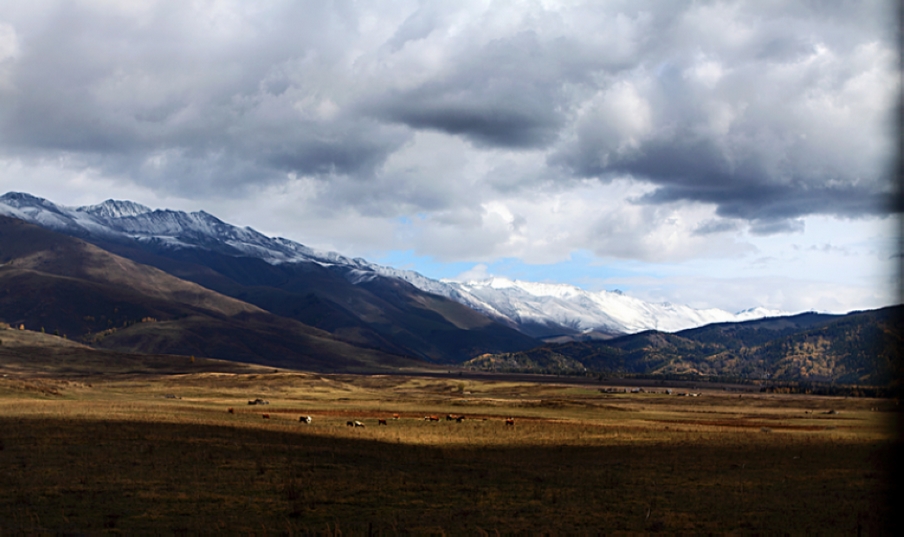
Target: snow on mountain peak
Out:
[115,209]
[19,197]
[27,202]
[576,309]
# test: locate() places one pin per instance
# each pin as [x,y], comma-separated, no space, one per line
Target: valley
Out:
[133,450]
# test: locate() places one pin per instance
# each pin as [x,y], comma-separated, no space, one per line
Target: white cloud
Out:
[477,273]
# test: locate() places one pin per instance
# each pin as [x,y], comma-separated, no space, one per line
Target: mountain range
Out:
[255,299]
[125,278]
[535,309]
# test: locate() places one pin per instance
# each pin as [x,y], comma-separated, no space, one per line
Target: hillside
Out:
[62,285]
[381,313]
[30,355]
[345,297]
[858,348]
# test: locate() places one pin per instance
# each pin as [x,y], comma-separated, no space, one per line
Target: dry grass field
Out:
[139,454]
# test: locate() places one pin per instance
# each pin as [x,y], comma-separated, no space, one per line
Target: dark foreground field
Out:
[163,455]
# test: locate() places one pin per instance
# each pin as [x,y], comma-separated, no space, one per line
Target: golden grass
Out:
[161,454]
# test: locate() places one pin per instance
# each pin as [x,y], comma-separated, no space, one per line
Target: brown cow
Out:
[230,410]
[381,421]
[510,421]
[395,416]
[460,419]
[266,416]
[431,418]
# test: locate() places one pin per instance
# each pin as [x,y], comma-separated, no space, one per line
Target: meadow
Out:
[141,454]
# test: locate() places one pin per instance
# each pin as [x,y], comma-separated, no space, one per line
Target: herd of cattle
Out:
[380,421]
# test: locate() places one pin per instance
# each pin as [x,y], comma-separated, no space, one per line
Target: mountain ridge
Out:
[536,309]
[74,288]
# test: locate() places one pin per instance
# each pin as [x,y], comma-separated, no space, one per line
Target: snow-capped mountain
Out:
[114,219]
[535,308]
[538,304]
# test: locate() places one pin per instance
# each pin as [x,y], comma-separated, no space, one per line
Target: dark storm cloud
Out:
[509,93]
[514,84]
[509,122]
[785,119]
[746,187]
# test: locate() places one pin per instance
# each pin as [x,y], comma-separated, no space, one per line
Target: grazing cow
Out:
[381,421]
[305,419]
[449,417]
[266,416]
[395,416]
[230,410]
[510,421]
[358,424]
[349,424]
[460,419]
[431,418]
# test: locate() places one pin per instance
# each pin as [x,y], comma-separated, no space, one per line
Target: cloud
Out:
[192,98]
[642,130]
[776,292]
[715,225]
[507,94]
[746,114]
[478,272]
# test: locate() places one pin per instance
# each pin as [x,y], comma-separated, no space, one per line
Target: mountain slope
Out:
[380,313]
[29,354]
[326,291]
[538,310]
[31,249]
[66,286]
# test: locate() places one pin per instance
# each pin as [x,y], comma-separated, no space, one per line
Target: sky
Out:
[715,154]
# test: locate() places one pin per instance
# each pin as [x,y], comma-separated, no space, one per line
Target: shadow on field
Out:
[64,476]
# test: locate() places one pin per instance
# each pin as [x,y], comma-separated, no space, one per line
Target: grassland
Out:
[139,454]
